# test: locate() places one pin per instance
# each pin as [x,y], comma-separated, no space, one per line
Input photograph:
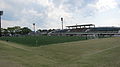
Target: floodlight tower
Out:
[1,13]
[34,27]
[62,22]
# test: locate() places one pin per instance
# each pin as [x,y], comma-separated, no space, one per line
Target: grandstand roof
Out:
[81,25]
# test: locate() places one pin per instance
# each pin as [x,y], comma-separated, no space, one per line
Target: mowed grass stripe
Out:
[88,53]
[19,56]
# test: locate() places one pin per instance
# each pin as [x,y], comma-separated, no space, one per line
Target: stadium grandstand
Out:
[87,30]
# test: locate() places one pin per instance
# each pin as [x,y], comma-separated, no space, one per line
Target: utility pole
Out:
[1,13]
[62,22]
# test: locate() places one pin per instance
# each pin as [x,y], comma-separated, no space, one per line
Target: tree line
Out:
[17,30]
[13,31]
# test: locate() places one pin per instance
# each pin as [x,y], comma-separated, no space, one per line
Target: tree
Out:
[11,30]
[25,30]
[51,30]
[5,32]
[39,30]
[17,29]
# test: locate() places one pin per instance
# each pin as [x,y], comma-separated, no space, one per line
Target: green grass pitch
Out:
[86,53]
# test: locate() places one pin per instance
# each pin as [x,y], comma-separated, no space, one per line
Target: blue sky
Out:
[47,13]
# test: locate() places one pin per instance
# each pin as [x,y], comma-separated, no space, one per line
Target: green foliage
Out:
[4,31]
[25,31]
[42,40]
[17,30]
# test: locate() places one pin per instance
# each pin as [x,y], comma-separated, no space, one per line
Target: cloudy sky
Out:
[47,13]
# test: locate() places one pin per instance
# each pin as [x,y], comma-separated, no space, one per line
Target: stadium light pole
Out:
[34,27]
[62,22]
[36,41]
[1,13]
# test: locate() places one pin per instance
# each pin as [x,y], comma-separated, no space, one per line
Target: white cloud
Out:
[109,23]
[44,2]
[57,12]
[23,1]
[6,23]
[4,5]
[21,23]
[31,12]
[103,5]
[47,13]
